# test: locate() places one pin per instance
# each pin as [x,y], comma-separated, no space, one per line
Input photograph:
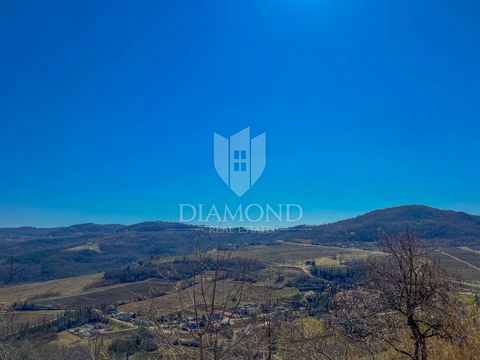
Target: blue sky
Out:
[107,111]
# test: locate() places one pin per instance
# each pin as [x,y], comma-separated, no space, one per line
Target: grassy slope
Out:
[65,287]
[285,258]
[114,294]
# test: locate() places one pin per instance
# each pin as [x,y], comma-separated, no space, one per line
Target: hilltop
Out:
[445,227]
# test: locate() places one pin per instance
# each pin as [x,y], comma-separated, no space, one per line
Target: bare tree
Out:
[207,310]
[95,345]
[409,296]
[12,271]
[309,339]
[8,352]
[265,327]
[7,316]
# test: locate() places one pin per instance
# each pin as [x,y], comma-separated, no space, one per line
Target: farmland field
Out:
[62,287]
[461,263]
[286,259]
[115,294]
[31,317]
[174,301]
[295,253]
[13,321]
[465,254]
[91,247]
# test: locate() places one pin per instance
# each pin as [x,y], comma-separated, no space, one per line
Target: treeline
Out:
[344,276]
[68,320]
[308,283]
[335,277]
[236,268]
[140,340]
[45,258]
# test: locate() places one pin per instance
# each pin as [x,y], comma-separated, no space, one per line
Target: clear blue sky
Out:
[107,111]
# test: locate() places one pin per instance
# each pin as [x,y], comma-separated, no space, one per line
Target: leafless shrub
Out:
[409,300]
[207,311]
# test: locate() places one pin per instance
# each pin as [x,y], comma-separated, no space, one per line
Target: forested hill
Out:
[445,227]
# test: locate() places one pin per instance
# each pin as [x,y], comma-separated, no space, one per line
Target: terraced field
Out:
[115,294]
[46,289]
[462,263]
[176,301]
[298,253]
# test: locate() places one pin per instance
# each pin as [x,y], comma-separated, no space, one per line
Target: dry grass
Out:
[461,263]
[113,294]
[177,301]
[66,287]
[91,247]
[66,339]
[295,253]
[31,317]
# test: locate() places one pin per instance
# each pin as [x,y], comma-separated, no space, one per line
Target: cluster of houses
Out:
[93,329]
[129,317]
[123,316]
[89,330]
[187,323]
[190,323]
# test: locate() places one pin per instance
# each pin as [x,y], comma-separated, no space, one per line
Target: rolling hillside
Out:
[46,254]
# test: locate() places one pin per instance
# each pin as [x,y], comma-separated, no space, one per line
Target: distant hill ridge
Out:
[429,223]
[92,228]
[88,228]
[446,226]
[45,254]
